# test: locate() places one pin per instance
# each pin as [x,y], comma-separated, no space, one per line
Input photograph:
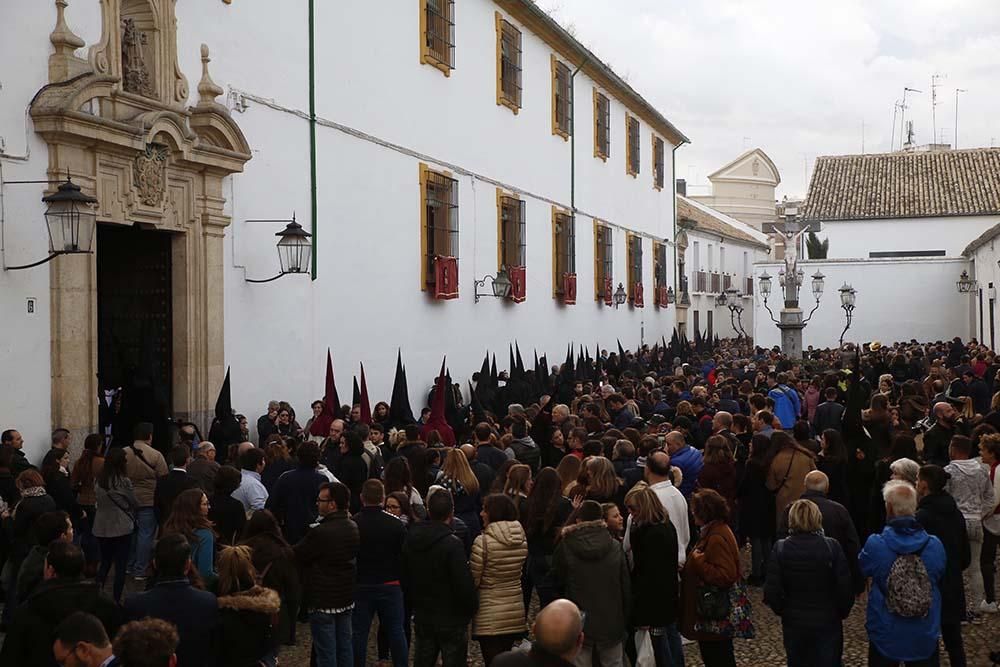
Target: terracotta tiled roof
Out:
[713,222]
[905,185]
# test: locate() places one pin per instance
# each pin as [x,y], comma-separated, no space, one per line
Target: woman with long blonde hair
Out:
[601,483]
[568,471]
[457,477]
[518,486]
[247,612]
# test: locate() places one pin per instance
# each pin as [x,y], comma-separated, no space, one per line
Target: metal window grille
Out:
[605,254]
[602,115]
[635,261]
[440,31]
[660,265]
[727,281]
[697,324]
[512,232]
[716,283]
[658,162]
[565,248]
[633,145]
[700,281]
[563,98]
[510,63]
[441,201]
[749,286]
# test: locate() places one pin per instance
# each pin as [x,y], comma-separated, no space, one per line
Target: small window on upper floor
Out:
[634,252]
[657,163]
[602,126]
[510,232]
[508,64]
[437,34]
[563,255]
[631,145]
[562,102]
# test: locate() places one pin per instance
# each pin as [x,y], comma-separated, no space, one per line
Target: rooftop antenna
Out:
[892,134]
[902,112]
[935,78]
[909,134]
[957,91]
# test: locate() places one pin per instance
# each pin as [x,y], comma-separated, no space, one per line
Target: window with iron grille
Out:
[563,248]
[697,325]
[634,262]
[657,163]
[511,230]
[603,259]
[437,28]
[632,145]
[508,64]
[439,218]
[562,99]
[602,126]
[660,263]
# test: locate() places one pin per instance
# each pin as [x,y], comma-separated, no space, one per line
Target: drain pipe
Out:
[572,141]
[312,132]
[673,189]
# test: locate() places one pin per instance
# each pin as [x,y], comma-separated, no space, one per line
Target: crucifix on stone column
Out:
[790,234]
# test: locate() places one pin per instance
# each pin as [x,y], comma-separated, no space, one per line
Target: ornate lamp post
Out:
[847,295]
[501,285]
[620,296]
[733,300]
[790,278]
[965,284]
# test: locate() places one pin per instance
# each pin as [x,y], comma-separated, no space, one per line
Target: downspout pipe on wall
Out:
[572,139]
[312,133]
[673,189]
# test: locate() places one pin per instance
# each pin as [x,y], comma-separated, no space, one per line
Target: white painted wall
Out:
[854,239]
[985,270]
[897,299]
[366,300]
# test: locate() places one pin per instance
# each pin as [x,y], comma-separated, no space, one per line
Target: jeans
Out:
[142,541]
[331,635]
[951,633]
[988,563]
[387,600]
[114,550]
[717,653]
[974,529]
[431,639]
[813,647]
[876,659]
[667,647]
[760,549]
[608,657]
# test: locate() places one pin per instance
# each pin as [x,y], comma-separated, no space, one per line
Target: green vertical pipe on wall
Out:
[312,131]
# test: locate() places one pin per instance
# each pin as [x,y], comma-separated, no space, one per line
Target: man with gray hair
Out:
[266,423]
[837,523]
[906,565]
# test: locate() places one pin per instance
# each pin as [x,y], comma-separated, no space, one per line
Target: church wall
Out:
[857,238]
[896,300]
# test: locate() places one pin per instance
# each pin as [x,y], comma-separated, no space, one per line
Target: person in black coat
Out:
[247,612]
[809,586]
[55,472]
[172,598]
[293,499]
[226,512]
[938,513]
[351,469]
[837,523]
[756,505]
[438,582]
[274,561]
[29,638]
[654,586]
[173,483]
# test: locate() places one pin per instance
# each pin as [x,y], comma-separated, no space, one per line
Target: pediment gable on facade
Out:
[752,166]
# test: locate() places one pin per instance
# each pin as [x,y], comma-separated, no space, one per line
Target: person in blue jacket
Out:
[893,638]
[787,404]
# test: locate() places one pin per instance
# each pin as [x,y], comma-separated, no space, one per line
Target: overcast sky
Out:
[798,77]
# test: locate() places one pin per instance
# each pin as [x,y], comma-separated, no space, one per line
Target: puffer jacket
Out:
[590,569]
[246,626]
[497,559]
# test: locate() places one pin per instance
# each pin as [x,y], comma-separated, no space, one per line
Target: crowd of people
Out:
[618,490]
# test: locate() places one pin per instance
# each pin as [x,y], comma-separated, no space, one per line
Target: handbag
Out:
[712,602]
[738,624]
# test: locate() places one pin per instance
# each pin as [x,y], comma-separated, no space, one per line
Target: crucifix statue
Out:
[790,234]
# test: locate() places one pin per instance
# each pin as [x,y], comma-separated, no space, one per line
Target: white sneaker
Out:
[987,607]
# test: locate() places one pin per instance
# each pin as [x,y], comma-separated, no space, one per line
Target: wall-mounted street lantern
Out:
[733,300]
[294,249]
[500,282]
[620,295]
[965,284]
[70,218]
[847,296]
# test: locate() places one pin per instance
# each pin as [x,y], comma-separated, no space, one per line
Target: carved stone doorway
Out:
[135,328]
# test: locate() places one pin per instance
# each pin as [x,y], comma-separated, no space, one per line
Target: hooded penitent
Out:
[437,421]
[366,407]
[225,430]
[331,403]
[400,413]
